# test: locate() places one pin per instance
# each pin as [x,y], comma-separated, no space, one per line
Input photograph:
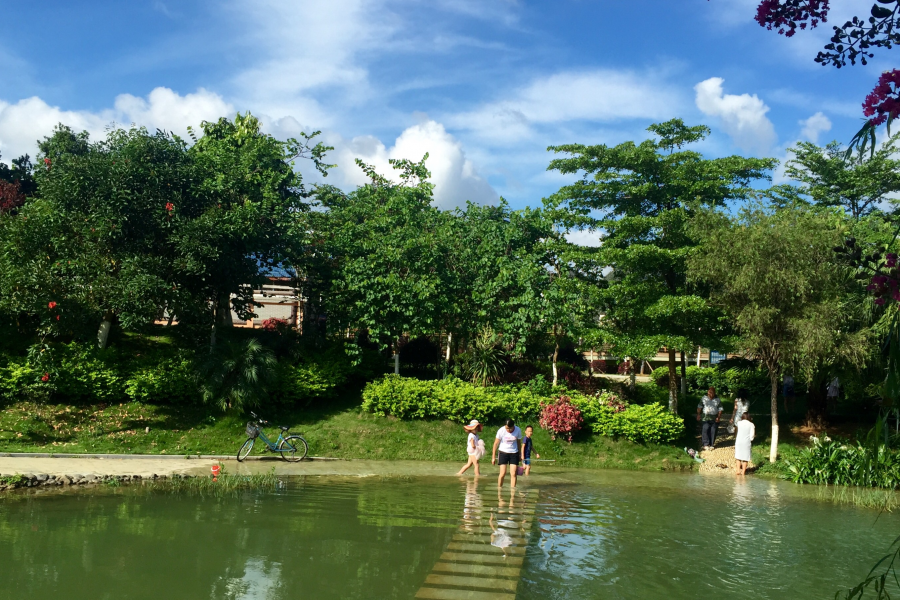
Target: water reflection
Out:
[737,538]
[622,535]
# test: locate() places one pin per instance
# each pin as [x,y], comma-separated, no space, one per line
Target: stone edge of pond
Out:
[31,480]
[149,456]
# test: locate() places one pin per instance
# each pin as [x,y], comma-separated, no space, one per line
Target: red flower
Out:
[883,101]
[46,377]
[170,207]
[51,305]
[47,161]
[789,15]
[57,317]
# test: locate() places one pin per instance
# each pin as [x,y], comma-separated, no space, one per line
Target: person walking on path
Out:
[741,405]
[528,448]
[746,431]
[474,447]
[509,442]
[710,408]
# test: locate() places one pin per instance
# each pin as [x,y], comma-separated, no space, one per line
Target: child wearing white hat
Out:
[474,447]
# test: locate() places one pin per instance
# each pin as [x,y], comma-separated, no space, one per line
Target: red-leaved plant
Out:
[561,418]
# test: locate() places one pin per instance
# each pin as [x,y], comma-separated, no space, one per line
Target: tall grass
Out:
[880,499]
[225,483]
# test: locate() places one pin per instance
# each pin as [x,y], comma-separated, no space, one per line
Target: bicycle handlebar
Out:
[258,419]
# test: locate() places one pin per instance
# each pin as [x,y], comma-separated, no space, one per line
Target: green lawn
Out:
[338,428]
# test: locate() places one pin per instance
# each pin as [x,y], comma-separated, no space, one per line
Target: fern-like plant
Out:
[236,374]
[487,359]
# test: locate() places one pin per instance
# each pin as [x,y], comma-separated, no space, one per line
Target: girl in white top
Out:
[746,431]
[474,447]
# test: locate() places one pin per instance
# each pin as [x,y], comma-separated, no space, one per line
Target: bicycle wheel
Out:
[293,448]
[245,449]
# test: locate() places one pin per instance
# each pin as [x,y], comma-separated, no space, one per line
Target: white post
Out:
[397,363]
[699,350]
[449,339]
[103,333]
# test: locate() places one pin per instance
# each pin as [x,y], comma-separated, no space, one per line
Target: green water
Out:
[592,535]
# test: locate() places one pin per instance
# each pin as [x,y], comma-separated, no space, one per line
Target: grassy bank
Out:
[339,429]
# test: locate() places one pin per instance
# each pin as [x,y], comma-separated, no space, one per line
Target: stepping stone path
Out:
[471,567]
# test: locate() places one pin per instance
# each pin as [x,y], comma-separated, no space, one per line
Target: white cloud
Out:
[600,95]
[165,109]
[741,117]
[455,178]
[585,237]
[815,125]
[28,120]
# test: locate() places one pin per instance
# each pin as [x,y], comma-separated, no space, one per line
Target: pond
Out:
[566,535]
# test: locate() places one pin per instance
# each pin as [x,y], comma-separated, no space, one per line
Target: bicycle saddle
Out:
[283,428]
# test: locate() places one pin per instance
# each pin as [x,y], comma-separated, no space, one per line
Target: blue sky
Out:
[483,86]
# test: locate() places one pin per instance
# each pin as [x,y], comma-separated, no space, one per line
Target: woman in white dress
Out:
[746,431]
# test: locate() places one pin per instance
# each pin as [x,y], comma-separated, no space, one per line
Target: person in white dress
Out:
[746,431]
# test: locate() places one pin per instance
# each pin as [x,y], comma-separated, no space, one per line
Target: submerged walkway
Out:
[484,559]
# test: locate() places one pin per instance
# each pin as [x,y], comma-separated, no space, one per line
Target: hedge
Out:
[460,401]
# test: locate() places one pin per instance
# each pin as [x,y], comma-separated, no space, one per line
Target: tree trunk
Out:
[223,308]
[104,330]
[773,450]
[673,383]
[555,356]
[215,324]
[683,373]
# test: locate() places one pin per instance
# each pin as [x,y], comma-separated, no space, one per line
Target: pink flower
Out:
[883,102]
[170,207]
[879,301]
[789,15]
[51,305]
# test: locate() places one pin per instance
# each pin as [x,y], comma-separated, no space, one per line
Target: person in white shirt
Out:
[746,431]
[509,441]
[474,447]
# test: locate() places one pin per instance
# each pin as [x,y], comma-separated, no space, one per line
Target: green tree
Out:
[250,202]
[379,261]
[859,183]
[775,276]
[95,241]
[641,198]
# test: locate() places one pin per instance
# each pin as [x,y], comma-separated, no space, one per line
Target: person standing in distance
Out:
[509,442]
[710,408]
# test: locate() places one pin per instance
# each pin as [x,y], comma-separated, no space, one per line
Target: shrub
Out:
[609,415]
[169,379]
[450,398]
[660,376]
[237,373]
[599,366]
[561,418]
[79,372]
[461,401]
[829,461]
[727,381]
[321,379]
[487,359]
[647,423]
